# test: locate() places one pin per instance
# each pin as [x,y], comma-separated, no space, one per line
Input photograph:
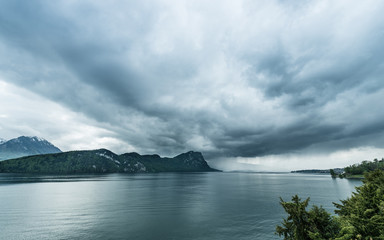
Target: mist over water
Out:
[156,206]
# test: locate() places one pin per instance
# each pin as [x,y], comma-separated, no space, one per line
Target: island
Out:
[105,161]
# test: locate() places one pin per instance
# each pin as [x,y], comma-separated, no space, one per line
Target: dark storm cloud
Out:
[239,79]
[54,40]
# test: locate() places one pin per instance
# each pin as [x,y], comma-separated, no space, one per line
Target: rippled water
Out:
[156,206]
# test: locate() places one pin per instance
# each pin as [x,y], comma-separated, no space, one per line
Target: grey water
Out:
[157,206]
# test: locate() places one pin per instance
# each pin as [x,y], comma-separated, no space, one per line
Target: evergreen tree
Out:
[360,217]
[364,210]
[332,172]
[295,227]
[321,224]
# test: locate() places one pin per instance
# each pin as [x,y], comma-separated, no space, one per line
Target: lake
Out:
[214,206]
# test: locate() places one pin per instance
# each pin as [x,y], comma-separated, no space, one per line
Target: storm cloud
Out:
[233,79]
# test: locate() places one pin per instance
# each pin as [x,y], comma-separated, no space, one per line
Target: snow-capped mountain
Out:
[25,146]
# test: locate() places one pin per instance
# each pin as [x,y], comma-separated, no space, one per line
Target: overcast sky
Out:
[261,85]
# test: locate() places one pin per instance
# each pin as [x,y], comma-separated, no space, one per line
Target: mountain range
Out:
[25,146]
[105,161]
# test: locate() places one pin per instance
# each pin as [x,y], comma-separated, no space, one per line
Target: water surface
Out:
[214,206]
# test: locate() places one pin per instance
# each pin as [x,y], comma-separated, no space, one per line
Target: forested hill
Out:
[105,161]
[358,170]
[365,166]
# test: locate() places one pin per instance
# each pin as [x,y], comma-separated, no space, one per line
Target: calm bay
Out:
[176,206]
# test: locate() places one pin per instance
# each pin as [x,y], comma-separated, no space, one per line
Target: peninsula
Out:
[105,161]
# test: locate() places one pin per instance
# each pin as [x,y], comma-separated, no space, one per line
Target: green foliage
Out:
[302,224]
[295,226]
[365,166]
[332,172]
[359,217]
[322,224]
[364,210]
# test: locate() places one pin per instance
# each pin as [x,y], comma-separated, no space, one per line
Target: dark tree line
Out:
[365,166]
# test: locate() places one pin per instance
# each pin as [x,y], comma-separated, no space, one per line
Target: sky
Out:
[254,85]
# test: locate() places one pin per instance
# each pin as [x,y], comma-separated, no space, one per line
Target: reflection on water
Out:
[156,206]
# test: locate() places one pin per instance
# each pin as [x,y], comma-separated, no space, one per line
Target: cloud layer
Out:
[230,78]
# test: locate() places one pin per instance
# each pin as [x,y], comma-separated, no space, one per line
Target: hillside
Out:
[105,161]
[358,170]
